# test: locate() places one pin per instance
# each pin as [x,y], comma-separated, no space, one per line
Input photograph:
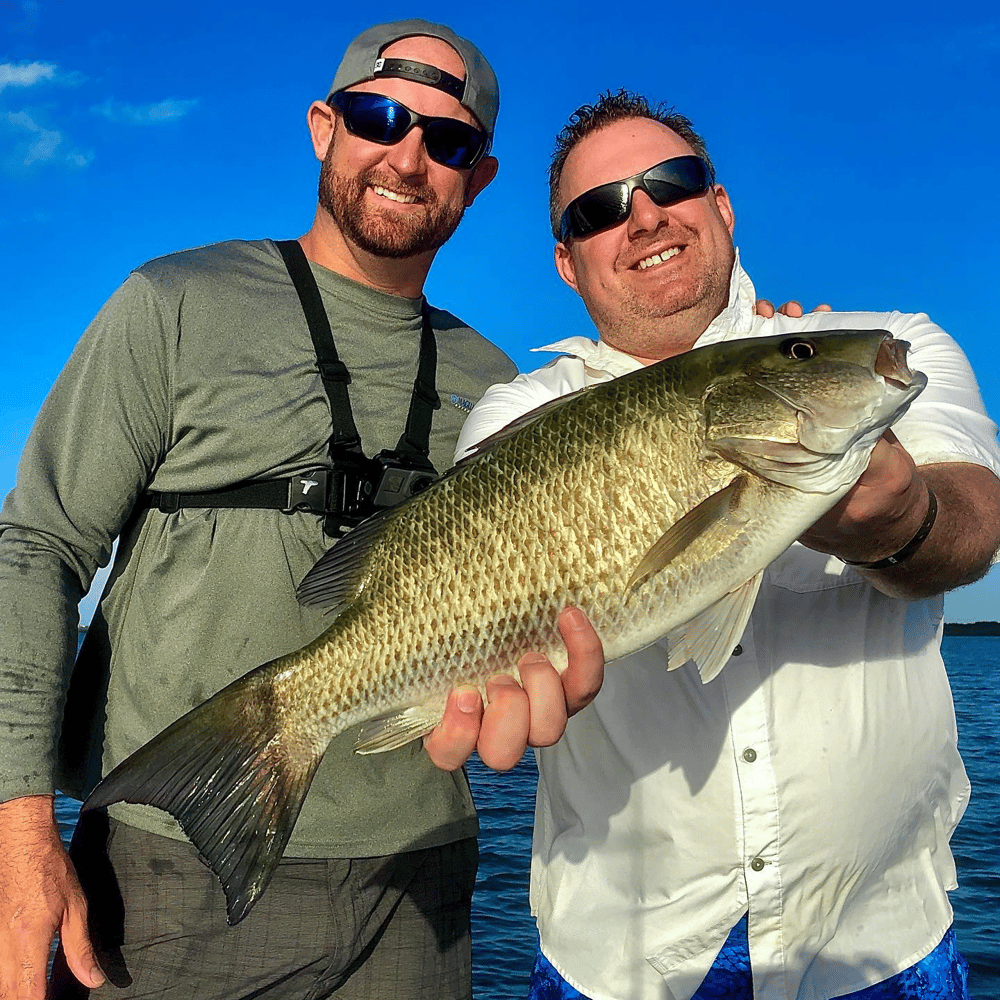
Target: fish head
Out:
[807,410]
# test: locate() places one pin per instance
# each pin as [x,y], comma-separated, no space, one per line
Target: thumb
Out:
[76,946]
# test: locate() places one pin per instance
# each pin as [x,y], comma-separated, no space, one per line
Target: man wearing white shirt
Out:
[782,831]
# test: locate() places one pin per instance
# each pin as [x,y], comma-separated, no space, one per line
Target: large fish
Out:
[652,502]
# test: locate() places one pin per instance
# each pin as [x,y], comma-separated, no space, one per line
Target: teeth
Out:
[659,258]
[405,199]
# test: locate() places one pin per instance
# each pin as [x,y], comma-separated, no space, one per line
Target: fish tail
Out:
[234,776]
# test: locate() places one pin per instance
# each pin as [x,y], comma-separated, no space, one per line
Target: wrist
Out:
[913,544]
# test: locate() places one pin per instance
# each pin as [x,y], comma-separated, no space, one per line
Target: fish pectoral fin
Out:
[711,636]
[234,778]
[340,574]
[396,729]
[696,522]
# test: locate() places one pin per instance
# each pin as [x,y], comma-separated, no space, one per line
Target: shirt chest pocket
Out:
[805,571]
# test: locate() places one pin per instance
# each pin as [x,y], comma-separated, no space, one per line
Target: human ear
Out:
[565,266]
[320,120]
[725,207]
[482,174]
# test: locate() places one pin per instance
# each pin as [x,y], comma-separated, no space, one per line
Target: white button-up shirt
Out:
[815,782]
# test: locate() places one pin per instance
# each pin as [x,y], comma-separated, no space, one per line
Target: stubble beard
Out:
[385,234]
[669,324]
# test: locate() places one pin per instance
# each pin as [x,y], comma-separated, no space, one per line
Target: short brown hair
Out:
[614,107]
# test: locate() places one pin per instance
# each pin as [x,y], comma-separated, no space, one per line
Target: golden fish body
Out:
[653,503]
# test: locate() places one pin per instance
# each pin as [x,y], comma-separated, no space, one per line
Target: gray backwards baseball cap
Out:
[479,91]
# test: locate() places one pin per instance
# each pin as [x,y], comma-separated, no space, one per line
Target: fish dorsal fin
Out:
[340,573]
[711,636]
[508,430]
[701,518]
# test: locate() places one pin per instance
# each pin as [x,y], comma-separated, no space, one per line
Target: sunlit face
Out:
[654,282]
[395,201]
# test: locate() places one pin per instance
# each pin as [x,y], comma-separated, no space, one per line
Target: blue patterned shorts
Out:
[942,975]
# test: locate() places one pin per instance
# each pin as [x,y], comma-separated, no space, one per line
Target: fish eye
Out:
[797,349]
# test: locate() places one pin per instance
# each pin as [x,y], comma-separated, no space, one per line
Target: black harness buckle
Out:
[309,492]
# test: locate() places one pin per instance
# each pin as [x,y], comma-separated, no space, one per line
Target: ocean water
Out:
[503,932]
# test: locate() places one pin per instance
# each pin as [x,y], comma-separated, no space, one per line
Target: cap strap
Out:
[408,69]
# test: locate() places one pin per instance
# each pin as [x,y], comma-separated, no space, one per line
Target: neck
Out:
[327,246]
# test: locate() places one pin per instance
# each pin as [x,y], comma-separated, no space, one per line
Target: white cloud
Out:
[25,74]
[146,114]
[35,143]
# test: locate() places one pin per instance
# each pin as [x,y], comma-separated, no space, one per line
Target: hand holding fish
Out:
[532,713]
[890,506]
[880,513]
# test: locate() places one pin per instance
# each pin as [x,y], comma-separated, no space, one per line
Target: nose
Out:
[646,216]
[408,157]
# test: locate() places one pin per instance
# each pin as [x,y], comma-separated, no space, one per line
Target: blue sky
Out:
[858,143]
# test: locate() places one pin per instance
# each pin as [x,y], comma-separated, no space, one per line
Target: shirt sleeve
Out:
[503,403]
[947,422]
[97,440]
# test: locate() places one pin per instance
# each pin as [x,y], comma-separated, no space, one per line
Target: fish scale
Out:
[653,503]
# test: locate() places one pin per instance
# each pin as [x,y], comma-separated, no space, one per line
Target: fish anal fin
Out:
[720,506]
[711,636]
[396,729]
[233,780]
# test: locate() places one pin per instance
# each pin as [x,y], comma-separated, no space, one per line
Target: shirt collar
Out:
[734,321]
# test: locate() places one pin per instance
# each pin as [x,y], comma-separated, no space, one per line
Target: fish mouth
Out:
[890,363]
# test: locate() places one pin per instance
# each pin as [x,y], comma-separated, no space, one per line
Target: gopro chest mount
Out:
[353,487]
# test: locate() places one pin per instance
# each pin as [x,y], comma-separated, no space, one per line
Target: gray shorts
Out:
[356,928]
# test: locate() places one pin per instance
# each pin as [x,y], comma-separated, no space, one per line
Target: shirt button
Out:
[757,864]
[738,651]
[749,755]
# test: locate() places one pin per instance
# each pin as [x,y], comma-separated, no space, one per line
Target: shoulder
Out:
[213,264]
[466,347]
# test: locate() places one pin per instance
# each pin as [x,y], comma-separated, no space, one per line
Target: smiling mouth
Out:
[658,258]
[402,199]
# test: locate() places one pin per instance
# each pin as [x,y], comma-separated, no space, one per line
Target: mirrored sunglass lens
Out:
[377,119]
[452,143]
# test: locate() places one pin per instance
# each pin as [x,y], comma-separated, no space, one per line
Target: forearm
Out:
[38,633]
[962,541]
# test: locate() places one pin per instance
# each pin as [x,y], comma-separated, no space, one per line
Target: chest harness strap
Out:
[354,486]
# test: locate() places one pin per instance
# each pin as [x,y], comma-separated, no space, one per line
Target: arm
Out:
[92,448]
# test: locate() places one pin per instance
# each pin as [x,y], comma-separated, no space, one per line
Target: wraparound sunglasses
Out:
[670,181]
[448,141]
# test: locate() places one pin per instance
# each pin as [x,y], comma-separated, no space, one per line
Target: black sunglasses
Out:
[448,141]
[670,181]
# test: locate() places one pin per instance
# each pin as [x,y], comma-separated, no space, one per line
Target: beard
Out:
[386,234]
[668,321]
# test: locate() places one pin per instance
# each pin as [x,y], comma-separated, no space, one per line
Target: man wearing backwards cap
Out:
[200,376]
